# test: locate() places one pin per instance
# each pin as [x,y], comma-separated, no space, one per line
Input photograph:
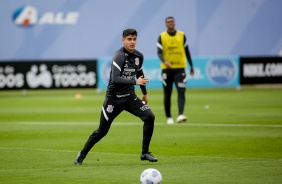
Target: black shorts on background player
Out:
[176,76]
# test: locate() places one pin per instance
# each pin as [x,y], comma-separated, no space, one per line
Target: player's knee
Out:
[150,117]
[100,133]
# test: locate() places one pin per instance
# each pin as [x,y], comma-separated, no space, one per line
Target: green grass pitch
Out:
[232,136]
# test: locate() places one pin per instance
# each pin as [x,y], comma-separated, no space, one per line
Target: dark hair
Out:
[170,17]
[128,32]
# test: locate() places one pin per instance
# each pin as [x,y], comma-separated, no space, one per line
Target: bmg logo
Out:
[28,16]
[222,71]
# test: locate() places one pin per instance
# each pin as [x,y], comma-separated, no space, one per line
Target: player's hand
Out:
[167,64]
[142,81]
[145,99]
[192,71]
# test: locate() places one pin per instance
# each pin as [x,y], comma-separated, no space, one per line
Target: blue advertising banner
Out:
[209,72]
[215,72]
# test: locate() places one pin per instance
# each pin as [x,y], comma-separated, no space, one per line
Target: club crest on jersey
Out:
[164,76]
[110,108]
[137,61]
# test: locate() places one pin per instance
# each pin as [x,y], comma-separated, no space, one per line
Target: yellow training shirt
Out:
[173,50]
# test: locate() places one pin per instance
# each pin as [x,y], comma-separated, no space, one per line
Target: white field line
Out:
[63,151]
[140,124]
[133,155]
[243,160]
[136,155]
[106,166]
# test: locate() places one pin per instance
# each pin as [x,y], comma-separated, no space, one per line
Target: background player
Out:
[173,51]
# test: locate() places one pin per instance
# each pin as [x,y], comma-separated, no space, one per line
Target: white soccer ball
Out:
[151,176]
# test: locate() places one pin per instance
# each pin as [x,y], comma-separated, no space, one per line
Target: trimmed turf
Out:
[232,136]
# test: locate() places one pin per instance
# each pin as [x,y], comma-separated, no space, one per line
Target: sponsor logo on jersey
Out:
[144,107]
[28,16]
[121,96]
[129,69]
[221,71]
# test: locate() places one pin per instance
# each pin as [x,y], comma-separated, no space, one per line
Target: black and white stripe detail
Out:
[116,65]
[105,114]
[159,46]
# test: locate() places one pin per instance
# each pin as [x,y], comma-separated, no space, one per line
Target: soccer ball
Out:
[151,176]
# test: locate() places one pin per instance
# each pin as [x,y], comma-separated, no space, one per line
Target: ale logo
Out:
[28,16]
[25,16]
[221,71]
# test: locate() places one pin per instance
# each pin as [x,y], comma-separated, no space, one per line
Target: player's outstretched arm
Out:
[142,81]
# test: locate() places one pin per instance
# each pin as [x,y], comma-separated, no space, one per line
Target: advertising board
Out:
[48,74]
[209,72]
[261,70]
